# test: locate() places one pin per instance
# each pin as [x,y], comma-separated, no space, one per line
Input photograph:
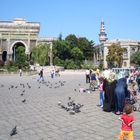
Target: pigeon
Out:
[24,100]
[59,103]
[14,131]
[21,94]
[2,85]
[72,112]
[74,89]
[62,106]
[62,84]
[28,85]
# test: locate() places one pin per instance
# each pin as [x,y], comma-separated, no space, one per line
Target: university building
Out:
[130,47]
[18,33]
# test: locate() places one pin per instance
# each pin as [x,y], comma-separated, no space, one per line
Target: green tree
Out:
[72,40]
[21,58]
[135,58]
[86,47]
[77,54]
[74,49]
[40,54]
[115,55]
[61,50]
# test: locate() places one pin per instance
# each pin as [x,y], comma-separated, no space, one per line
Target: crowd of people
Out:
[53,73]
[114,88]
[117,93]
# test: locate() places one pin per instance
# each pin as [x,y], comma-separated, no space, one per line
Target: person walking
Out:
[41,77]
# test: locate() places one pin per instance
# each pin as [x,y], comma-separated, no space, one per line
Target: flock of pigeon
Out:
[26,86]
[71,106]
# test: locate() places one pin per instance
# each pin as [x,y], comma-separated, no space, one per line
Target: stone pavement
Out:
[40,117]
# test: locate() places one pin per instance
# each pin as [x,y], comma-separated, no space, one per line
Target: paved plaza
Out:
[41,118]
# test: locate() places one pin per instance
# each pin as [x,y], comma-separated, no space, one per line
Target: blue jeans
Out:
[41,78]
[101,98]
[119,100]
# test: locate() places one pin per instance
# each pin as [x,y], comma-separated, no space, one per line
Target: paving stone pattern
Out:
[40,117]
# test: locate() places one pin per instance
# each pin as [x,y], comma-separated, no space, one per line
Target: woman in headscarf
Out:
[109,85]
[120,93]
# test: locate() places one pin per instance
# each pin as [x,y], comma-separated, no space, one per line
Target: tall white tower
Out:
[102,35]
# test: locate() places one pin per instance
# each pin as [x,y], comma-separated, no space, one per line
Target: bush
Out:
[59,62]
[70,64]
[12,69]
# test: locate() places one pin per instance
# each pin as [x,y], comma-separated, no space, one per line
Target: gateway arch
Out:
[18,33]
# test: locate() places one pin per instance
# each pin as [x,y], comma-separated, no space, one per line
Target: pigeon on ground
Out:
[14,131]
[2,85]
[21,94]
[59,103]
[28,85]
[72,112]
[24,100]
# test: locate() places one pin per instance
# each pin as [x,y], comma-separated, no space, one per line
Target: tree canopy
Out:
[135,58]
[115,55]
[40,54]
[73,50]
[21,58]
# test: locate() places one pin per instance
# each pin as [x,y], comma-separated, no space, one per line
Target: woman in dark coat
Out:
[109,90]
[120,94]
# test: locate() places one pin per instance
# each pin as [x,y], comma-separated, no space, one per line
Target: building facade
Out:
[17,33]
[130,47]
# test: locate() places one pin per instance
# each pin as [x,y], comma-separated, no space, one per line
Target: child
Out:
[101,91]
[127,121]
[132,94]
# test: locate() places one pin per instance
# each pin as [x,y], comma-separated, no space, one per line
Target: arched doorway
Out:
[4,56]
[18,50]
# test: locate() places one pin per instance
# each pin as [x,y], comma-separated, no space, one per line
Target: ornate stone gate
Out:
[17,33]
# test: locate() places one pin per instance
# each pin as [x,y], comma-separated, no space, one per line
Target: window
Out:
[125,53]
[125,64]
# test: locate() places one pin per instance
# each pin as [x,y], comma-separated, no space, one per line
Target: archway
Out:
[17,49]
[4,56]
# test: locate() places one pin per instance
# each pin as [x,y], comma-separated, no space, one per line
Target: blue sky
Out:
[79,17]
